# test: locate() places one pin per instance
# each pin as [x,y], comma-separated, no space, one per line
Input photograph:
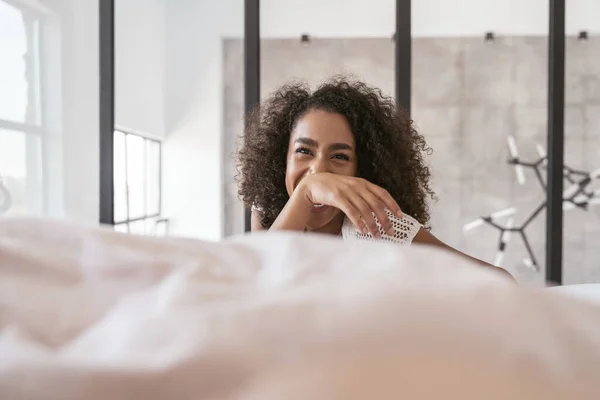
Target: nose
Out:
[318,165]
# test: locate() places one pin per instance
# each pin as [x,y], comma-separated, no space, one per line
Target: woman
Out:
[342,160]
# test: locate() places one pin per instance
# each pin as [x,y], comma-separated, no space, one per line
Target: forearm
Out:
[294,215]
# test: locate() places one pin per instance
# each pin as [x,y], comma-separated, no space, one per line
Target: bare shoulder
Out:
[424,236]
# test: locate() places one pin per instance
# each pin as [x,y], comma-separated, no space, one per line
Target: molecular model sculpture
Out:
[578,194]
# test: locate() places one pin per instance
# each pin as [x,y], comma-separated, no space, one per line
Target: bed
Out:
[87,313]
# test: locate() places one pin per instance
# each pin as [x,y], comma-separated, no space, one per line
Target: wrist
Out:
[295,214]
[301,197]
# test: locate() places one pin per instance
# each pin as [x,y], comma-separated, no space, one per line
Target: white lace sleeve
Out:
[405,230]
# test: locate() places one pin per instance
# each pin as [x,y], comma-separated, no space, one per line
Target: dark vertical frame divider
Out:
[107,108]
[251,68]
[556,109]
[403,56]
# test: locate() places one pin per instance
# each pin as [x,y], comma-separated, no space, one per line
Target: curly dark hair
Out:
[389,149]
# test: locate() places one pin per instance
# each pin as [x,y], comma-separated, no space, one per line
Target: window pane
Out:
[156,226]
[581,225]
[152,177]
[138,227]
[121,228]
[13,173]
[150,226]
[13,49]
[135,176]
[480,102]
[120,181]
[161,228]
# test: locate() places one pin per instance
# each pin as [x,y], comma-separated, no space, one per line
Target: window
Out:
[21,191]
[137,184]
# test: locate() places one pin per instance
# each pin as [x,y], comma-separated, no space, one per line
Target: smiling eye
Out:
[341,157]
[303,150]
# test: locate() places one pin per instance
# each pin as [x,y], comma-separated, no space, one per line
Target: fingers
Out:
[365,209]
[386,199]
[379,209]
[364,204]
[353,215]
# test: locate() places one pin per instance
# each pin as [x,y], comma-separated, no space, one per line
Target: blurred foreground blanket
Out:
[92,314]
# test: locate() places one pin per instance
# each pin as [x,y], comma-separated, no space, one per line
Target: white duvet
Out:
[92,314]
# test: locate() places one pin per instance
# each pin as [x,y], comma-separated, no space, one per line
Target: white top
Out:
[405,230]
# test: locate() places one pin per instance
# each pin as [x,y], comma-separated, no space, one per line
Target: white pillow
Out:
[588,291]
[93,314]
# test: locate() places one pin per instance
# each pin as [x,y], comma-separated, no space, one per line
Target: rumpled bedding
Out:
[88,313]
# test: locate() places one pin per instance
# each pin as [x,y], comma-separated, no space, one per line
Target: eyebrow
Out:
[314,143]
[307,142]
[340,146]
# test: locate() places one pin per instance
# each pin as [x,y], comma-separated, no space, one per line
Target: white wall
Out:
[81,112]
[192,160]
[140,28]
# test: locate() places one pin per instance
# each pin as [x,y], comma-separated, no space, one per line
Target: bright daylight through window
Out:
[137,184]
[20,125]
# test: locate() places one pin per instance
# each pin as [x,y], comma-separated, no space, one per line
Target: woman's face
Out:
[321,142]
